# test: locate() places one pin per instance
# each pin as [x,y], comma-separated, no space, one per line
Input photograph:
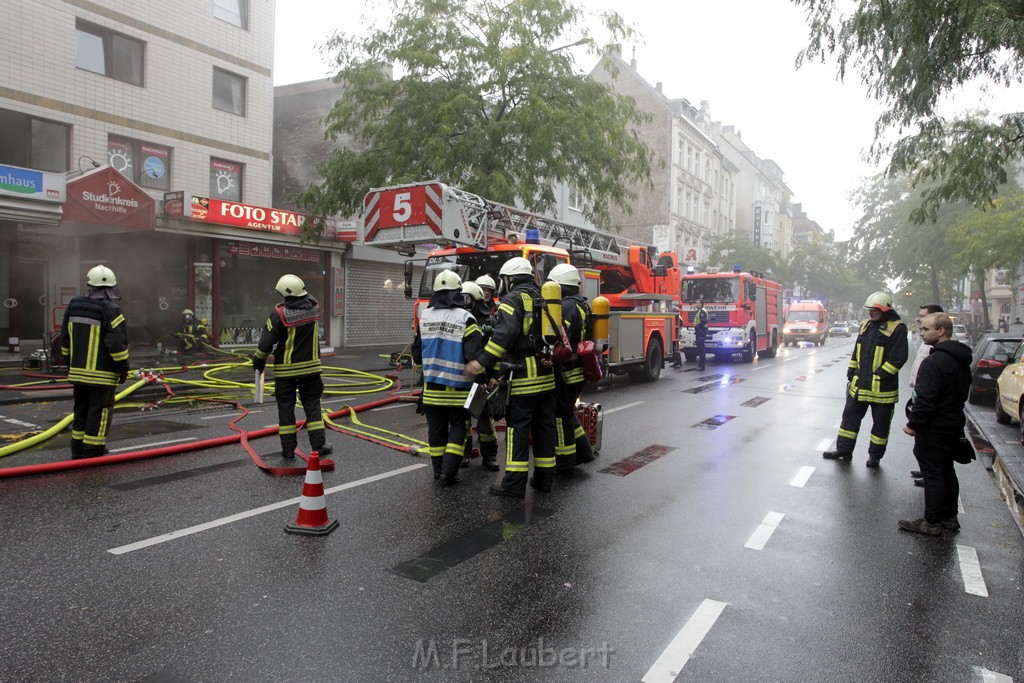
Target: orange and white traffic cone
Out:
[312,519]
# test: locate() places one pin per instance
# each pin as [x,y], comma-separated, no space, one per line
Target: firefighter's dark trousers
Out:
[485,434]
[446,437]
[573,446]
[94,406]
[310,388]
[853,414]
[527,416]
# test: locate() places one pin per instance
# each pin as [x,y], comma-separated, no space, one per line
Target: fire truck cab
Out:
[744,312]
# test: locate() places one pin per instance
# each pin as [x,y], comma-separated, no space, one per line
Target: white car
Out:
[960,334]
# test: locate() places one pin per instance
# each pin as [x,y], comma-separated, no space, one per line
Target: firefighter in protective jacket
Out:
[94,340]
[572,447]
[193,334]
[516,339]
[292,333]
[473,300]
[873,379]
[446,337]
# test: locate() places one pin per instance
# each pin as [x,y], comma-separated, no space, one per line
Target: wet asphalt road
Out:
[720,545]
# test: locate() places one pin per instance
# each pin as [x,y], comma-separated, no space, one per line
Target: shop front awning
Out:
[29,212]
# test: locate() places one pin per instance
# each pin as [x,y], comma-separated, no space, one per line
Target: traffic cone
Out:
[312,519]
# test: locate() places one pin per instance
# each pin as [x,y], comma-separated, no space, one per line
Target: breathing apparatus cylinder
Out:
[551,320]
[599,311]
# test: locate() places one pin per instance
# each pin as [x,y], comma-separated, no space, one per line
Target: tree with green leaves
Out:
[820,273]
[725,251]
[487,98]
[913,53]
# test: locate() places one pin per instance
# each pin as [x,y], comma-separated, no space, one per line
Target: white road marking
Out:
[163,538]
[991,676]
[802,475]
[959,504]
[29,425]
[760,367]
[823,445]
[764,531]
[974,583]
[395,405]
[150,445]
[679,651]
[790,358]
[628,405]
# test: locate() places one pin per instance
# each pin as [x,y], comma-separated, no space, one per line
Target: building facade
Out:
[693,195]
[160,125]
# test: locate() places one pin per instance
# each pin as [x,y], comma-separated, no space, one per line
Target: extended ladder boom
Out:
[434,213]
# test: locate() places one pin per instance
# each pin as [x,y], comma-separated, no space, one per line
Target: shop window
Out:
[145,164]
[107,53]
[231,11]
[226,180]
[228,92]
[29,142]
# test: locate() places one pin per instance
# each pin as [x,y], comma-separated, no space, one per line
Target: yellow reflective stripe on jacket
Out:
[122,355]
[889,367]
[309,367]
[116,321]
[442,395]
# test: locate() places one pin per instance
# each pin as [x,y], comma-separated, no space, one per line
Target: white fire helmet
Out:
[291,285]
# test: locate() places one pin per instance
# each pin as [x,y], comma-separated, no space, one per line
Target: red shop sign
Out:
[106,197]
[238,215]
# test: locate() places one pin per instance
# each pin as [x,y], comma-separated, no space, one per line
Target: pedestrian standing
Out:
[517,339]
[936,421]
[873,379]
[292,334]
[446,337]
[699,318]
[94,341]
[924,349]
[572,447]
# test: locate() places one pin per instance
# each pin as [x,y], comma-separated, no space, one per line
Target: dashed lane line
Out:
[760,367]
[823,445]
[991,676]
[393,406]
[151,445]
[970,568]
[682,647]
[959,504]
[801,477]
[764,531]
[628,405]
[163,538]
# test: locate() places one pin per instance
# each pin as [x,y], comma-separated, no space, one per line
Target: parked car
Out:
[1010,388]
[839,329]
[960,334]
[991,354]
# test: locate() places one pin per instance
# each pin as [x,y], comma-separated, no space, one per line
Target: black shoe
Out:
[918,481]
[916,474]
[489,463]
[288,454]
[873,462]
[542,487]
[953,524]
[921,526]
[326,449]
[498,490]
[700,367]
[676,365]
[449,479]
[836,455]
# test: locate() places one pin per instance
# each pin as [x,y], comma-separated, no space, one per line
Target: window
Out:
[104,52]
[38,144]
[143,163]
[681,151]
[225,180]
[231,11]
[228,92]
[680,209]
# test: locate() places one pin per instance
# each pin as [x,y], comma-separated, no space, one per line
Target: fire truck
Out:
[463,232]
[744,314]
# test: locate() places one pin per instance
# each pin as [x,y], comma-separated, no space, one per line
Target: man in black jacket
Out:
[937,423]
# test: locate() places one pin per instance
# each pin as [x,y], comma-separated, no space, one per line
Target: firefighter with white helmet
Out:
[473,300]
[193,334]
[94,340]
[517,340]
[446,337]
[573,446]
[873,379]
[292,334]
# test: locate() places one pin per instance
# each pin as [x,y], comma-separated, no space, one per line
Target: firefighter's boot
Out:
[436,460]
[513,485]
[450,468]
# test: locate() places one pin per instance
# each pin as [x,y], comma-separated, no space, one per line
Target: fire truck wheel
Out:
[650,371]
[751,350]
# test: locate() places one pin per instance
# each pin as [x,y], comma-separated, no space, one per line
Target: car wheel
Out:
[1001,416]
[973,398]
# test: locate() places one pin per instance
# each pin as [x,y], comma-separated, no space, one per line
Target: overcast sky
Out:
[737,54]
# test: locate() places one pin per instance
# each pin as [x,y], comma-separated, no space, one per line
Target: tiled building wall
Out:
[174,108]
